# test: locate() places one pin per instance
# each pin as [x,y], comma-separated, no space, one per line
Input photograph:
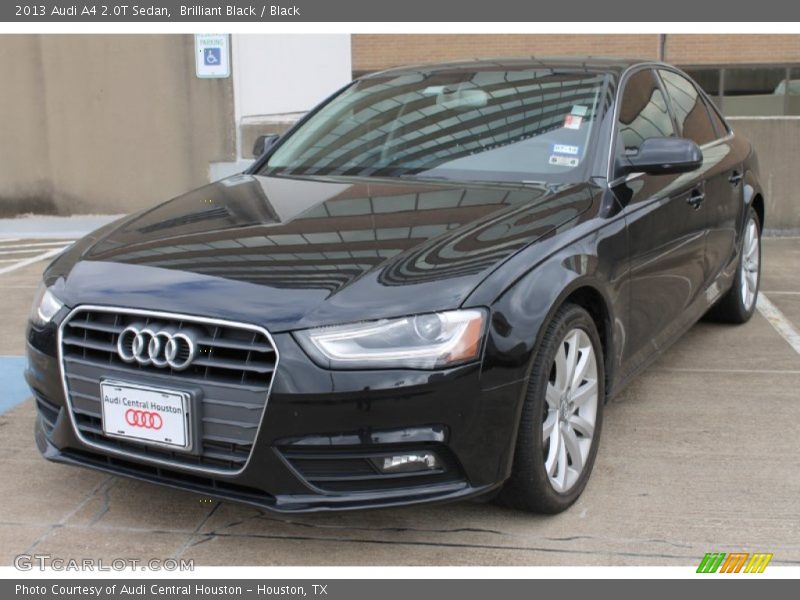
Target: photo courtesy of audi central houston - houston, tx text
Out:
[530,308]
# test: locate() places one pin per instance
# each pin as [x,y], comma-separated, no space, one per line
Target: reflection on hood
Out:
[325,234]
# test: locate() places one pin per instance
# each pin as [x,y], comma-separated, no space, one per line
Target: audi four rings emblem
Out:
[143,418]
[150,345]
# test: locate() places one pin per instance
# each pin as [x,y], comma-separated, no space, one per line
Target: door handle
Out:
[695,199]
[735,178]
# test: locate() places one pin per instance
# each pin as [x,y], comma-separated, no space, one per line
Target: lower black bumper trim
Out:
[442,492]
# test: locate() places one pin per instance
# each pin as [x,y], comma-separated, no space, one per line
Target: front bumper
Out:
[320,428]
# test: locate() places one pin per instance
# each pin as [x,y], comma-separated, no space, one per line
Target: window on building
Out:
[754,90]
[791,87]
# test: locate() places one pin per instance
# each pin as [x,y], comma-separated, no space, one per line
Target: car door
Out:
[721,170]
[666,226]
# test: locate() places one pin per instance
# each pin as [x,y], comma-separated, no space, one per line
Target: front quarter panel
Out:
[587,258]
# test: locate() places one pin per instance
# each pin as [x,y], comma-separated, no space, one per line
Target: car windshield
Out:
[482,124]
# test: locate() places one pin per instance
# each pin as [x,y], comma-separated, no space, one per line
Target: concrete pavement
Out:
[700,454]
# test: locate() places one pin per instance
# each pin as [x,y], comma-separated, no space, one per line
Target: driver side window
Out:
[643,113]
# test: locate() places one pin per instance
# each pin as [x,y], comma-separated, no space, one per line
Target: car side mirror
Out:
[264,143]
[662,156]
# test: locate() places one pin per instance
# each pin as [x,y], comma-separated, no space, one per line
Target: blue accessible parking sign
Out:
[212,56]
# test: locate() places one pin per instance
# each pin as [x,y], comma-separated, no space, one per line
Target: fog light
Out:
[408,463]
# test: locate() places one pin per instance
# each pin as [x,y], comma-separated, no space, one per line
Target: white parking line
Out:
[738,371]
[3,251]
[777,319]
[31,260]
[33,246]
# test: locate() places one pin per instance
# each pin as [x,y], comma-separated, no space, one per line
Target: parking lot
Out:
[700,454]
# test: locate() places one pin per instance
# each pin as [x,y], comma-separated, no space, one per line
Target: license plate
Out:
[146,414]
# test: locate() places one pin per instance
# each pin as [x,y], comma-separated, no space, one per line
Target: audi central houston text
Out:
[427,290]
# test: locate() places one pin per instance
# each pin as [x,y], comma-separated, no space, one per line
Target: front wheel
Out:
[739,303]
[561,417]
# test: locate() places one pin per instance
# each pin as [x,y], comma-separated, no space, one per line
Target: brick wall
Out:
[725,49]
[378,51]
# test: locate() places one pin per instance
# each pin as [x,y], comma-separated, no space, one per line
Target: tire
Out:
[739,303]
[534,483]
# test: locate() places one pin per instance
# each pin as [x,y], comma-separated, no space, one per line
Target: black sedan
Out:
[427,290]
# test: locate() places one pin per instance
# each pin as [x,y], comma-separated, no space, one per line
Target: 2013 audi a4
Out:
[426,290]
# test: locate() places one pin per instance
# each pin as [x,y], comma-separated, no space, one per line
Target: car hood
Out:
[290,253]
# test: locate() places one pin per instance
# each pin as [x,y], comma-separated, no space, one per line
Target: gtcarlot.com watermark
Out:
[41,562]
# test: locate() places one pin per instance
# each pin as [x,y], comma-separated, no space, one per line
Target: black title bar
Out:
[730,588]
[50,11]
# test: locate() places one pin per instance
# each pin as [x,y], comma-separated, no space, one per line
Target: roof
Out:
[571,63]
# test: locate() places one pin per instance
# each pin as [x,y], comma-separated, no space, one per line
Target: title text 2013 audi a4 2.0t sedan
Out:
[427,290]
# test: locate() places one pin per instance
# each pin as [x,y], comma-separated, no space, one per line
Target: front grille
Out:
[352,469]
[230,378]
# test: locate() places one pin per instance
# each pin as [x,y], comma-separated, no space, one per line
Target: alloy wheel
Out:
[750,263]
[570,410]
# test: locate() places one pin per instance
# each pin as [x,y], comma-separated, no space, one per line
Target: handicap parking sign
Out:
[212,56]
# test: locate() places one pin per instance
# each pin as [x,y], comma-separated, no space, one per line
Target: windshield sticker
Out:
[566,149]
[579,110]
[563,161]
[573,122]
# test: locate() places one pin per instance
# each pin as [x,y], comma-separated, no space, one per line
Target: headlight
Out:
[45,307]
[428,341]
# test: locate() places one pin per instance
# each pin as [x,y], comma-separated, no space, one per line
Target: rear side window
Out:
[689,108]
[719,124]
[643,112]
